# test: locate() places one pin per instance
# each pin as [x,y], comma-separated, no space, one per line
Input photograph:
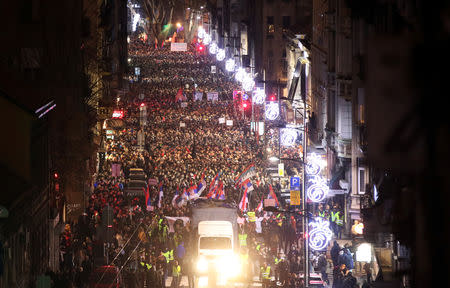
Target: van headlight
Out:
[202,265]
[230,266]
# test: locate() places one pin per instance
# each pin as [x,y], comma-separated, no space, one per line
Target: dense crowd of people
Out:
[185,145]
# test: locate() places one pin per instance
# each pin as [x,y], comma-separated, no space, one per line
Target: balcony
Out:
[344,148]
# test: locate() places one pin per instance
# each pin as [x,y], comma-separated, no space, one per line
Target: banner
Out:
[229,122]
[198,96]
[212,96]
[183,104]
[152,181]
[178,46]
[172,220]
[182,124]
[222,120]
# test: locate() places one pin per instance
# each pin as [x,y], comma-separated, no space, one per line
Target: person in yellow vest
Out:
[265,275]
[337,221]
[176,274]
[242,238]
[277,262]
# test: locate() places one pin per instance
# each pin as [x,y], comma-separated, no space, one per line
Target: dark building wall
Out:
[40,61]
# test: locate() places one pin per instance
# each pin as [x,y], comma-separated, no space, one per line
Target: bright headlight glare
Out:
[202,265]
[232,264]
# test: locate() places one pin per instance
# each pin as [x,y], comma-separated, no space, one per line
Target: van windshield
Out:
[215,243]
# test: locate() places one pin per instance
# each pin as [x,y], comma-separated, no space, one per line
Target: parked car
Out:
[105,277]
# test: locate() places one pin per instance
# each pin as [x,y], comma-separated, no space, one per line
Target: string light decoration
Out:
[206,39]
[288,137]
[220,54]
[248,83]
[272,110]
[213,48]
[320,234]
[318,190]
[240,74]
[201,32]
[258,96]
[229,65]
[314,165]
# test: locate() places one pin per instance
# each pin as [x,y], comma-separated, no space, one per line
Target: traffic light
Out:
[244,105]
[200,48]
[272,97]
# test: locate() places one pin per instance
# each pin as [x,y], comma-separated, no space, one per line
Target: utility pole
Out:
[304,198]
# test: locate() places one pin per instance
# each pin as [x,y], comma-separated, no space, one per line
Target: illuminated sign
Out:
[320,234]
[117,114]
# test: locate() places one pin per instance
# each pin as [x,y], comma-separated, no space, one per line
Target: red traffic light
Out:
[55,175]
[244,105]
[142,104]
[272,98]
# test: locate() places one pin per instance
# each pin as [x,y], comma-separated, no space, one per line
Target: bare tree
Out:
[159,13]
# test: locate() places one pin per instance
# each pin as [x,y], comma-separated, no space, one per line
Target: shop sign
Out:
[295,197]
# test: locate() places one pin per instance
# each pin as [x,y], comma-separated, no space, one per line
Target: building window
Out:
[270,26]
[361,115]
[361,180]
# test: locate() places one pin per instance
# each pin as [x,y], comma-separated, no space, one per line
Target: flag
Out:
[272,195]
[213,187]
[185,195]
[180,96]
[161,194]
[247,184]
[220,195]
[193,194]
[260,206]
[148,202]
[201,186]
[175,198]
[248,172]
[244,202]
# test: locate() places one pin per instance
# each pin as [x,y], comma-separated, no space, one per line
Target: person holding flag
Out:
[148,202]
[175,197]
[272,195]
[161,194]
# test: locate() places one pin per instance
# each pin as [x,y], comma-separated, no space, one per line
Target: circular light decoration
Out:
[201,32]
[220,54]
[313,166]
[206,39]
[240,74]
[318,190]
[248,83]
[320,234]
[288,137]
[213,48]
[272,110]
[258,96]
[229,65]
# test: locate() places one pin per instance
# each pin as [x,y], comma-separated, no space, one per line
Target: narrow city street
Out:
[231,143]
